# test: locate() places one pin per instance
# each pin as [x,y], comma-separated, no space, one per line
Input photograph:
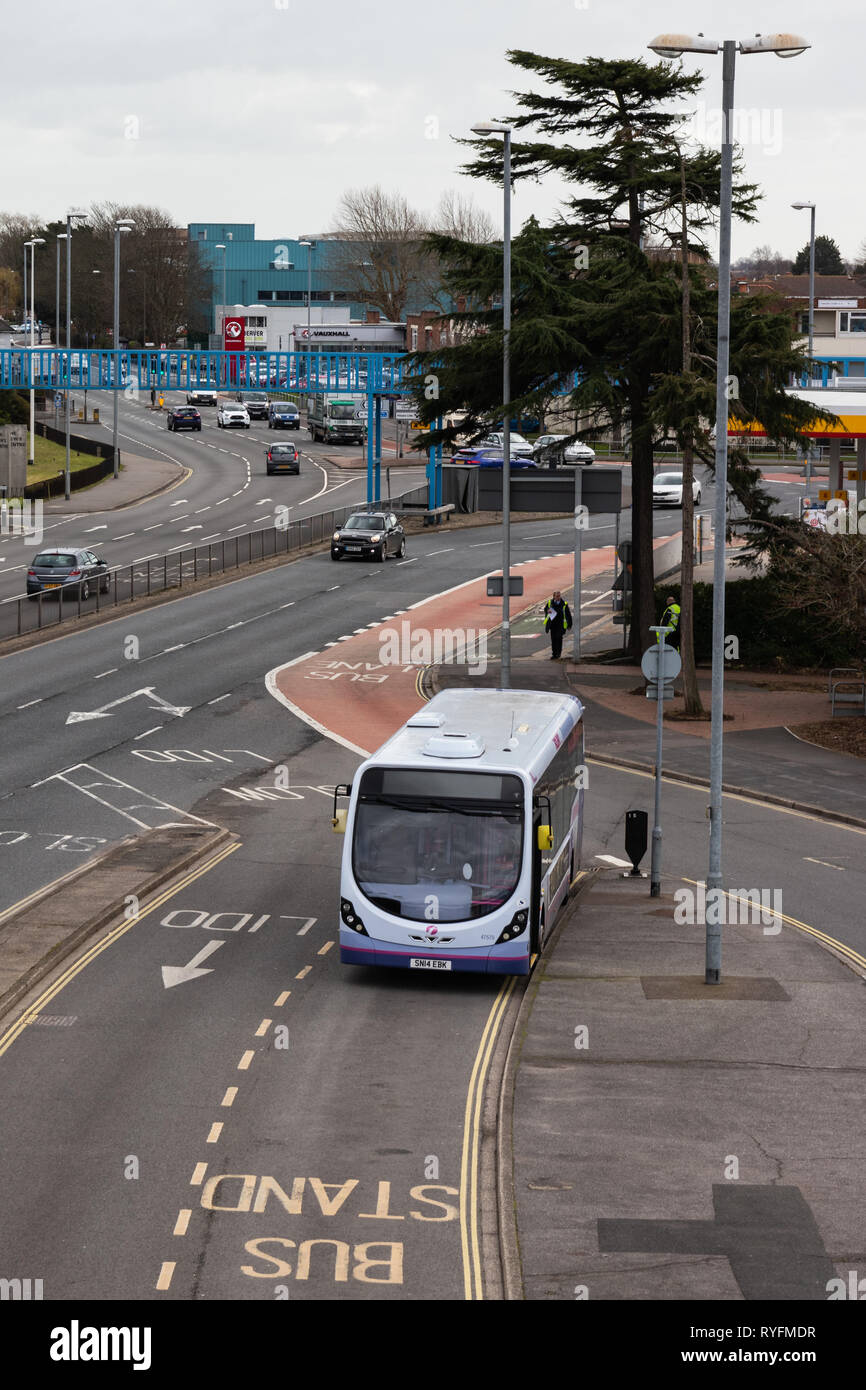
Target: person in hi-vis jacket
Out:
[557,621]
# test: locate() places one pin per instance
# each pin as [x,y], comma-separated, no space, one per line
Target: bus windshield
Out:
[438,846]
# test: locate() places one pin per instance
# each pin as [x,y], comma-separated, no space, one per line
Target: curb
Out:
[766,798]
[59,952]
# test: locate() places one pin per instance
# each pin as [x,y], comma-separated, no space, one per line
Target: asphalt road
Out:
[279,1125]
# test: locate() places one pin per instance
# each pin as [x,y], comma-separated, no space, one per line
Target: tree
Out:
[457,216]
[10,292]
[828,258]
[377,249]
[763,261]
[603,306]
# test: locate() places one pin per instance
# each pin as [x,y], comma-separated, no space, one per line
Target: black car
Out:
[371,535]
[183,417]
[79,570]
[283,458]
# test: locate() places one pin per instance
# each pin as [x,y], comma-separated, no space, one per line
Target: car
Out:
[519,447]
[198,395]
[491,458]
[283,458]
[555,448]
[183,417]
[63,568]
[230,416]
[369,535]
[668,490]
[283,415]
[256,403]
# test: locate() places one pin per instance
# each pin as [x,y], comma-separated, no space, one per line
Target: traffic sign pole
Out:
[665,663]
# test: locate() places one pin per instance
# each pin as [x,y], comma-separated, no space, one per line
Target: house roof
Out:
[797,286]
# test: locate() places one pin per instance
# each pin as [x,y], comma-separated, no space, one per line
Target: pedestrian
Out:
[152,397]
[557,621]
[671,619]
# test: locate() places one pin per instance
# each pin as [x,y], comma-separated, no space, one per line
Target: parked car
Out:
[519,447]
[256,403]
[556,448]
[183,417]
[369,535]
[283,458]
[63,568]
[491,458]
[230,415]
[283,415]
[199,396]
[668,490]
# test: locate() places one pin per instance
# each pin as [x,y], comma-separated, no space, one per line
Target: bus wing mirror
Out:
[544,837]
[338,821]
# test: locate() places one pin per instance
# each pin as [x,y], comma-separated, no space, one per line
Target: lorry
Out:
[334,418]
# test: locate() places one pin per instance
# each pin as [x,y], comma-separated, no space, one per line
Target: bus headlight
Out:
[515,926]
[350,917]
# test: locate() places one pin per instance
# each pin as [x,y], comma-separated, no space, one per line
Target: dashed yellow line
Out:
[181,1223]
[243,1064]
[263,1027]
[216,1130]
[301,973]
[281,998]
[228,1098]
[198,1173]
[323,950]
[165,1274]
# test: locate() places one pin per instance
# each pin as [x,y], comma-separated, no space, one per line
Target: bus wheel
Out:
[537,943]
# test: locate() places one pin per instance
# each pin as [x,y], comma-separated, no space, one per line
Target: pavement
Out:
[671,1140]
[139,478]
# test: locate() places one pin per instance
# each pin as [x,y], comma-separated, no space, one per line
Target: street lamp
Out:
[498,128]
[33,243]
[799,207]
[74,216]
[673,46]
[221,246]
[122,225]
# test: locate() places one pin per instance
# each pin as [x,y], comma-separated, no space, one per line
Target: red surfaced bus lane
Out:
[363,688]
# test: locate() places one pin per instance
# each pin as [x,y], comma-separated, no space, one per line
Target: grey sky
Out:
[265,110]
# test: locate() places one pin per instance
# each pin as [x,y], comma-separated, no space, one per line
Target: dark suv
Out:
[183,417]
[256,403]
[369,535]
[58,569]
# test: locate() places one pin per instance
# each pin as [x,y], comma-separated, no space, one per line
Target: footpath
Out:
[668,1140]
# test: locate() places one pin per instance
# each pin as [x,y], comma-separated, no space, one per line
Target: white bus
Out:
[463,834]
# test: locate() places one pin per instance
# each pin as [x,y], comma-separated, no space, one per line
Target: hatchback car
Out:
[183,417]
[369,535]
[255,402]
[230,415]
[519,447]
[282,415]
[58,569]
[668,490]
[555,448]
[491,458]
[283,458]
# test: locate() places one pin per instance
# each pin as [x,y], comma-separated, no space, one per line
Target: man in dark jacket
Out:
[557,621]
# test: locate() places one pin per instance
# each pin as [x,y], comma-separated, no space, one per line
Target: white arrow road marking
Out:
[96,528]
[162,706]
[179,974]
[199,527]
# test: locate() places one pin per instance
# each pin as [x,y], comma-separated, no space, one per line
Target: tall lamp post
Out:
[221,246]
[498,128]
[60,237]
[799,207]
[309,246]
[73,216]
[33,243]
[122,225]
[673,46]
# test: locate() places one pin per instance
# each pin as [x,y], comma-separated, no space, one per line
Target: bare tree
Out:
[763,261]
[458,216]
[377,249]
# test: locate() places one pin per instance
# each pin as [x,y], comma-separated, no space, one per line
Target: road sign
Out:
[417,425]
[671,663]
[495,585]
[652,692]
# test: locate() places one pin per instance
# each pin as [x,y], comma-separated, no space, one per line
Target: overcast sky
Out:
[264,111]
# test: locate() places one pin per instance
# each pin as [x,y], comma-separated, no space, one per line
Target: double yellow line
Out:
[847,951]
[7,1038]
[469,1162]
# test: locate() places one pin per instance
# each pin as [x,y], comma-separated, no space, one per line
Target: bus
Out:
[463,834]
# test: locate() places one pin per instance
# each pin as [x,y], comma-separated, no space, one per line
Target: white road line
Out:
[213,535]
[155,527]
[612,859]
[179,503]
[218,698]
[176,648]
[333,587]
[479,544]
[809,860]
[125,537]
[154,730]
[199,510]
[142,558]
[446,551]
[31,702]
[199,526]
[220,503]
[91,529]
[413,561]
[105,673]
[239,527]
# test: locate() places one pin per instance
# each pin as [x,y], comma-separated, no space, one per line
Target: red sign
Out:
[234,334]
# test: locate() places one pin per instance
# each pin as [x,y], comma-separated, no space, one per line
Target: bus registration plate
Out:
[428,963]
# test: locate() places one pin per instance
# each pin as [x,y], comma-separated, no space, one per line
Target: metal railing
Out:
[183,566]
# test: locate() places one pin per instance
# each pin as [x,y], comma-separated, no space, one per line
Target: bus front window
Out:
[425,858]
